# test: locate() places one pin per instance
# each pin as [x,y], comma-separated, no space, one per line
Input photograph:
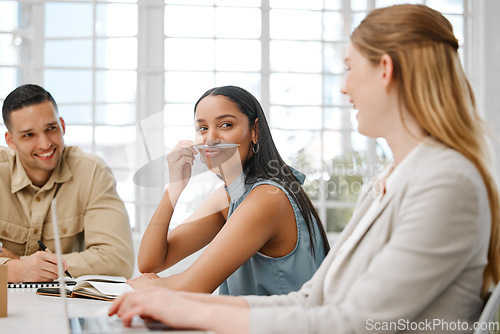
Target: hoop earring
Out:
[254,149]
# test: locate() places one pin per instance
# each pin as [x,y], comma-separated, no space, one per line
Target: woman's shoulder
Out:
[439,167]
[266,197]
[270,195]
[265,187]
[436,158]
[257,181]
[276,181]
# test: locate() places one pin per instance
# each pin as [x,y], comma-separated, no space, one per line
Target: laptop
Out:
[104,324]
[97,324]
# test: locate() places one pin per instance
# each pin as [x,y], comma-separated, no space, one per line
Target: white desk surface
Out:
[32,313]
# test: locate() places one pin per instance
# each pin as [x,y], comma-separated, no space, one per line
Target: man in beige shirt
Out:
[93,223]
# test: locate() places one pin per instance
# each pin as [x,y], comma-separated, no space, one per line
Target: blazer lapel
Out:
[360,234]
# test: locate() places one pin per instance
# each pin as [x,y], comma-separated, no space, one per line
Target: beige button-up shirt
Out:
[93,223]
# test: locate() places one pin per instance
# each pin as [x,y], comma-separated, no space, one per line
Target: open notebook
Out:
[98,324]
[92,286]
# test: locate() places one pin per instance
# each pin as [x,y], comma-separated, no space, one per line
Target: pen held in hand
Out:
[44,248]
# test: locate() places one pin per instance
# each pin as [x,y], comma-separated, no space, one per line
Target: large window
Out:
[126,75]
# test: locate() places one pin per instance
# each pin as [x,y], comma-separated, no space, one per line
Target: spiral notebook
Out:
[36,285]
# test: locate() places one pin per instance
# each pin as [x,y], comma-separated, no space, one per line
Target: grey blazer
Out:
[417,267]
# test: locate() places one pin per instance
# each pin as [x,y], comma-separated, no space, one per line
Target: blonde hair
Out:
[434,90]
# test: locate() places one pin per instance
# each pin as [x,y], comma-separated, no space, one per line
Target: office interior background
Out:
[126,75]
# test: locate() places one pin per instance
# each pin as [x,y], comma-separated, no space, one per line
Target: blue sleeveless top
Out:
[263,275]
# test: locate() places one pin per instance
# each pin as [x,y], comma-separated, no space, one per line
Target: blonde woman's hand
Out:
[155,303]
[183,310]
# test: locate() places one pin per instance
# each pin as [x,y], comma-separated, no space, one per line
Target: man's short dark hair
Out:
[24,96]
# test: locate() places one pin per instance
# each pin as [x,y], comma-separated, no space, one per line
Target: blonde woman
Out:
[422,246]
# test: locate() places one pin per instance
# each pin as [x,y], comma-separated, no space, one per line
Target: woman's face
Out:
[367,91]
[218,120]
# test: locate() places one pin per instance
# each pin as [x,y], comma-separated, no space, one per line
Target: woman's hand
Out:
[180,161]
[142,281]
[184,311]
[155,303]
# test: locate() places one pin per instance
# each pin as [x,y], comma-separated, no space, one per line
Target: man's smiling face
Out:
[36,133]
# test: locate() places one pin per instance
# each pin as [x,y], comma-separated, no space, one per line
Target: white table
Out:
[32,313]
